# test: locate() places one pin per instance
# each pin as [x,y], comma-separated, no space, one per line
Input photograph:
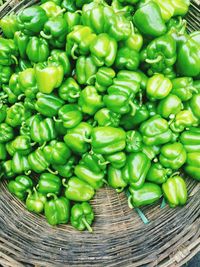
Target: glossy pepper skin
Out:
[9,26]
[72,19]
[169,106]
[22,145]
[16,114]
[5,74]
[3,112]
[42,130]
[48,105]
[57,152]
[6,167]
[155,131]
[37,161]
[3,152]
[183,88]
[19,186]
[90,101]
[8,52]
[20,164]
[183,119]
[158,174]
[70,115]
[175,191]
[173,156]
[85,69]
[48,77]
[55,31]
[82,216]
[52,8]
[65,170]
[37,49]
[94,162]
[189,64]
[133,141]
[146,195]
[57,210]
[35,201]
[108,140]
[21,41]
[190,139]
[69,5]
[149,21]
[79,40]
[31,20]
[194,105]
[116,160]
[27,83]
[134,41]
[6,133]
[103,50]
[69,90]
[115,179]
[61,58]
[77,137]
[49,183]
[127,59]
[192,165]
[106,117]
[78,190]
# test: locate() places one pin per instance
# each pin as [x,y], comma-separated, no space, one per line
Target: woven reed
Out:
[120,238]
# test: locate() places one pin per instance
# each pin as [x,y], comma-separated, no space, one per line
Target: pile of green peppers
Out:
[96,93]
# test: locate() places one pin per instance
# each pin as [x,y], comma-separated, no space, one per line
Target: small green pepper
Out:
[9,25]
[27,83]
[106,117]
[3,152]
[133,141]
[21,41]
[20,164]
[183,87]
[65,170]
[169,106]
[94,162]
[37,49]
[8,52]
[6,133]
[6,167]
[69,90]
[20,186]
[127,59]
[117,160]
[190,139]
[192,165]
[16,114]
[37,161]
[115,179]
[35,201]
[158,174]
[49,183]
[70,115]
[5,74]
[22,145]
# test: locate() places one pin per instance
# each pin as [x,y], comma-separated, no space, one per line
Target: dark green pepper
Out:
[65,170]
[85,69]
[49,183]
[20,186]
[20,164]
[6,133]
[8,52]
[158,174]
[6,167]
[127,59]
[37,161]
[21,41]
[133,141]
[3,152]
[192,165]
[37,49]
[5,74]
[69,90]
[70,115]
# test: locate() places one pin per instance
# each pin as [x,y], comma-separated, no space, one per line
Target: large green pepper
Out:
[155,131]
[85,69]
[70,115]
[133,141]
[35,201]
[127,59]
[173,156]
[3,112]
[48,105]
[42,130]
[134,41]
[108,140]
[57,152]
[49,183]
[82,216]
[20,186]
[103,50]
[188,57]
[27,83]
[65,170]
[90,101]
[55,31]
[61,58]
[194,105]
[3,152]
[106,117]
[9,25]
[72,19]
[16,114]
[192,166]
[166,8]
[175,191]
[136,169]
[77,138]
[94,162]
[22,145]
[146,195]
[115,179]
[149,21]
[191,140]
[183,88]
[117,160]
[8,52]
[20,164]
[48,76]
[78,190]
[37,49]
[31,20]
[52,8]
[5,74]
[21,41]
[37,161]
[6,167]
[158,174]
[6,133]
[69,90]
[79,40]
[57,210]
[169,106]
[182,120]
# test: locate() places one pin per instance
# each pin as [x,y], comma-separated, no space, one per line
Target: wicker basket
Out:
[120,238]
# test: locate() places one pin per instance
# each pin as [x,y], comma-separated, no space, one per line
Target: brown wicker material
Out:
[120,238]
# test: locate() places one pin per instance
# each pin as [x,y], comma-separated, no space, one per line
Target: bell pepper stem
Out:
[75,46]
[130,205]
[171,116]
[175,173]
[15,59]
[103,163]
[142,216]
[45,36]
[74,95]
[89,228]
[163,204]
[52,195]
[42,146]
[64,183]
[4,97]
[155,160]
[56,120]
[91,80]
[60,12]
[33,144]
[27,172]
[153,61]
[105,182]
[133,108]
[29,192]
[52,172]
[87,140]
[20,96]
[79,12]
[119,190]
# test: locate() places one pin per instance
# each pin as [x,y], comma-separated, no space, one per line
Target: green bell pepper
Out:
[23,64]
[52,8]
[20,186]
[69,90]
[77,138]
[94,162]
[5,74]
[134,41]
[72,19]
[194,105]
[127,58]
[82,216]
[169,106]
[22,144]
[10,149]
[37,49]
[70,115]
[106,117]
[9,25]
[158,174]
[57,152]
[175,191]
[183,88]
[21,41]
[37,161]
[8,52]
[3,112]
[7,171]
[191,140]
[182,120]
[27,83]
[115,179]
[136,169]
[155,131]
[148,194]
[117,160]
[108,140]
[3,152]
[173,156]
[166,8]
[65,170]
[6,133]
[192,165]
[78,190]
[133,141]
[48,105]
[57,210]
[90,101]
[35,201]
[20,164]
[49,183]
[69,5]
[61,58]
[16,114]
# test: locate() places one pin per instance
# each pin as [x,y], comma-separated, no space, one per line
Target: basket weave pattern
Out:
[120,239]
